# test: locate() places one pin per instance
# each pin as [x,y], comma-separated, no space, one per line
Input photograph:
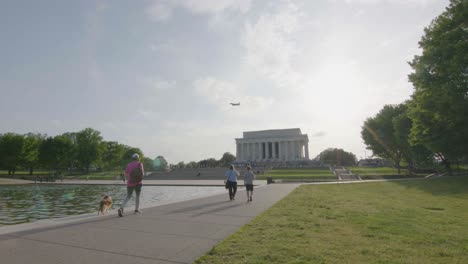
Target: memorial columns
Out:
[296,149]
[273,153]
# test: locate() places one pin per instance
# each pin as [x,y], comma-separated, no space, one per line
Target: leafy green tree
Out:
[335,156]
[112,154]
[57,152]
[160,163]
[439,108]
[378,134]
[227,159]
[181,164]
[129,151]
[148,164]
[415,155]
[211,162]
[11,149]
[30,151]
[88,148]
[191,164]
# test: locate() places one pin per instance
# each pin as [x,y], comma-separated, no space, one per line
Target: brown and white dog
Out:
[105,204]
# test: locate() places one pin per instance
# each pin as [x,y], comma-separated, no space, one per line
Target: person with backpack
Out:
[134,173]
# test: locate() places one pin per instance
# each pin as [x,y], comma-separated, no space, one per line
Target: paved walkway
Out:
[8,181]
[173,233]
[218,182]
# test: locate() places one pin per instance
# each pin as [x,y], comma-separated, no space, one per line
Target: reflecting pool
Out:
[29,203]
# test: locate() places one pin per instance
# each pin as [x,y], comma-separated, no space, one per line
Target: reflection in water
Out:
[28,203]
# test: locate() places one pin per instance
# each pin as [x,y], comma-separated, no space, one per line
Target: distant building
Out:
[273,145]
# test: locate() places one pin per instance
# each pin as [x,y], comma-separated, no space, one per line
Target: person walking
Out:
[248,181]
[231,181]
[134,173]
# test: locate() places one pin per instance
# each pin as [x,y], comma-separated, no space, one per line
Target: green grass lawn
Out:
[109,175]
[298,174]
[415,221]
[19,173]
[376,171]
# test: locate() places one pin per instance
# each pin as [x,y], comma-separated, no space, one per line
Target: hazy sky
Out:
[159,75]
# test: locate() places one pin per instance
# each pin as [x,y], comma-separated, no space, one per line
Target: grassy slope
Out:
[298,174]
[376,171]
[418,221]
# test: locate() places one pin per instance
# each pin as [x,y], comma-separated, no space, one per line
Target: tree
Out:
[148,164]
[57,152]
[335,156]
[211,162]
[415,155]
[112,154]
[11,148]
[440,100]
[378,134]
[88,147]
[128,155]
[227,159]
[30,151]
[181,164]
[160,163]
[191,164]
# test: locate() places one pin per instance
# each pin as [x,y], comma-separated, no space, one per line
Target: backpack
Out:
[136,175]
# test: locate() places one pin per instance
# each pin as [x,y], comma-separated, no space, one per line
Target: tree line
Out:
[69,152]
[224,161]
[80,152]
[432,126]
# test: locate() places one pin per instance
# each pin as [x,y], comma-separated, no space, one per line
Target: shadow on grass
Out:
[442,186]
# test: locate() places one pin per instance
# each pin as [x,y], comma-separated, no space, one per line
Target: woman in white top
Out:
[231,181]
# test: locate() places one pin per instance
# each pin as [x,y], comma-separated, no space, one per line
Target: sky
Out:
[160,74]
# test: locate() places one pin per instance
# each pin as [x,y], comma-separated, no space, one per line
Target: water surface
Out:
[29,203]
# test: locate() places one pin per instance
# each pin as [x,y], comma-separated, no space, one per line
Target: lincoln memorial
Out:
[273,145]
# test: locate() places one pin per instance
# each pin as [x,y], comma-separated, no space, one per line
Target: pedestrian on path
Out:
[134,173]
[231,181]
[249,177]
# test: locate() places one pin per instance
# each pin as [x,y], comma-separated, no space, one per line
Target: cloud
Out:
[163,9]
[215,6]
[164,46]
[216,91]
[418,2]
[269,44]
[159,11]
[162,85]
[153,84]
[319,134]
[148,115]
[221,94]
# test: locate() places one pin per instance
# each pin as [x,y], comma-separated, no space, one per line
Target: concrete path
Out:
[173,233]
[218,182]
[9,181]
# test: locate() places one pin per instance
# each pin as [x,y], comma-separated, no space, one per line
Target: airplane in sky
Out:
[235,104]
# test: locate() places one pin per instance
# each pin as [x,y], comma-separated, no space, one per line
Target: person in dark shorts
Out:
[248,181]
[231,181]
